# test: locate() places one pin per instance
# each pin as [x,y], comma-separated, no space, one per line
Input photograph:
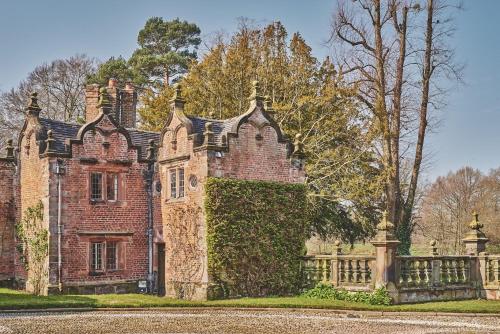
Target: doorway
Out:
[161,269]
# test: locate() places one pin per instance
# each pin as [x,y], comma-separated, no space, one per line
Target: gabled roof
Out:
[62,131]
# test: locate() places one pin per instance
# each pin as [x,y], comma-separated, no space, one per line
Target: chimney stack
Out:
[123,103]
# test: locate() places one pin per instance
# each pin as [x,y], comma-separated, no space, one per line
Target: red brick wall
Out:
[7,219]
[34,182]
[255,154]
[124,221]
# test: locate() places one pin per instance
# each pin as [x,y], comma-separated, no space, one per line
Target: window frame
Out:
[173,183]
[105,178]
[115,184]
[104,256]
[181,183]
[95,258]
[91,190]
[176,183]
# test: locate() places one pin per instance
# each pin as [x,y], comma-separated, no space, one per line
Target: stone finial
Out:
[208,134]
[33,107]
[385,230]
[475,240]
[256,94]
[385,224]
[434,249]
[50,142]
[337,247]
[298,147]
[151,150]
[475,224]
[10,149]
[104,102]
[268,104]
[177,101]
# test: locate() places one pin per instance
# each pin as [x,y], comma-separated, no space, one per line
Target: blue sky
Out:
[32,32]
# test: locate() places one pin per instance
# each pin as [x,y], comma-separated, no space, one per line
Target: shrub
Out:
[256,233]
[379,296]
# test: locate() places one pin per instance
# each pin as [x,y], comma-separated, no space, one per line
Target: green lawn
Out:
[10,299]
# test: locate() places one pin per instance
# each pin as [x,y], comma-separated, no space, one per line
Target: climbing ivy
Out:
[256,232]
[33,246]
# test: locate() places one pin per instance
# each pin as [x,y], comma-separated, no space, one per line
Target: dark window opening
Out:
[112,187]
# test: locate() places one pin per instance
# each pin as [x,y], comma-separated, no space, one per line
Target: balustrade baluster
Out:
[496,271]
[444,272]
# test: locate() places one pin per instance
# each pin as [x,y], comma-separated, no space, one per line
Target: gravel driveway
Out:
[240,321]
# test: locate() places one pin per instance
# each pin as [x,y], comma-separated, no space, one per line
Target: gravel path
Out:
[240,321]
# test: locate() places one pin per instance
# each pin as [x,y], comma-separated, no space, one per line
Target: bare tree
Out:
[61,91]
[395,52]
[448,205]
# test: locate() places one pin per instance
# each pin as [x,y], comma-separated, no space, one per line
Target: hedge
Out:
[256,232]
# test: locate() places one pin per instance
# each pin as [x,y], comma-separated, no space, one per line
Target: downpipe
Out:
[149,191]
[59,173]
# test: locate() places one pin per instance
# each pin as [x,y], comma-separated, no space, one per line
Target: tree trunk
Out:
[404,230]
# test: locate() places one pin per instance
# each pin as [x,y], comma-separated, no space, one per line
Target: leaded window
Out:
[173,183]
[96,249]
[96,186]
[181,182]
[112,186]
[111,255]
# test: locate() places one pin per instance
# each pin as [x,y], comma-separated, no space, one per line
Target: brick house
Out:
[124,207]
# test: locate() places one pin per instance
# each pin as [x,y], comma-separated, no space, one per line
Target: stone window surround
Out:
[119,255]
[180,185]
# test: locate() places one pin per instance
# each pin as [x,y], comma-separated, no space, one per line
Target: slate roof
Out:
[62,131]
[220,127]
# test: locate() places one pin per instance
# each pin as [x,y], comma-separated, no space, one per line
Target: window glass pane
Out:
[111,256]
[173,184]
[96,186]
[96,256]
[112,186]
[181,182]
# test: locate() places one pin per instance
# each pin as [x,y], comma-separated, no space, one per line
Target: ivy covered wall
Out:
[256,232]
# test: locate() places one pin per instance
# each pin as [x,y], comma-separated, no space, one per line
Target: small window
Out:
[96,256]
[96,186]
[111,255]
[112,187]
[173,184]
[181,182]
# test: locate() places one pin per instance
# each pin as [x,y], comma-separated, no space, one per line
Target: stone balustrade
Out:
[411,278]
[347,271]
[433,271]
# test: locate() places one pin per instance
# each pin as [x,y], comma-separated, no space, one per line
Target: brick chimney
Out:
[123,103]
[128,106]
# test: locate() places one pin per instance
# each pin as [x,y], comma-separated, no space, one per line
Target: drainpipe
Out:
[59,173]
[149,182]
[149,190]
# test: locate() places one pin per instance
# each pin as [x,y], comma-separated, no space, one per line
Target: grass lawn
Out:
[11,299]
